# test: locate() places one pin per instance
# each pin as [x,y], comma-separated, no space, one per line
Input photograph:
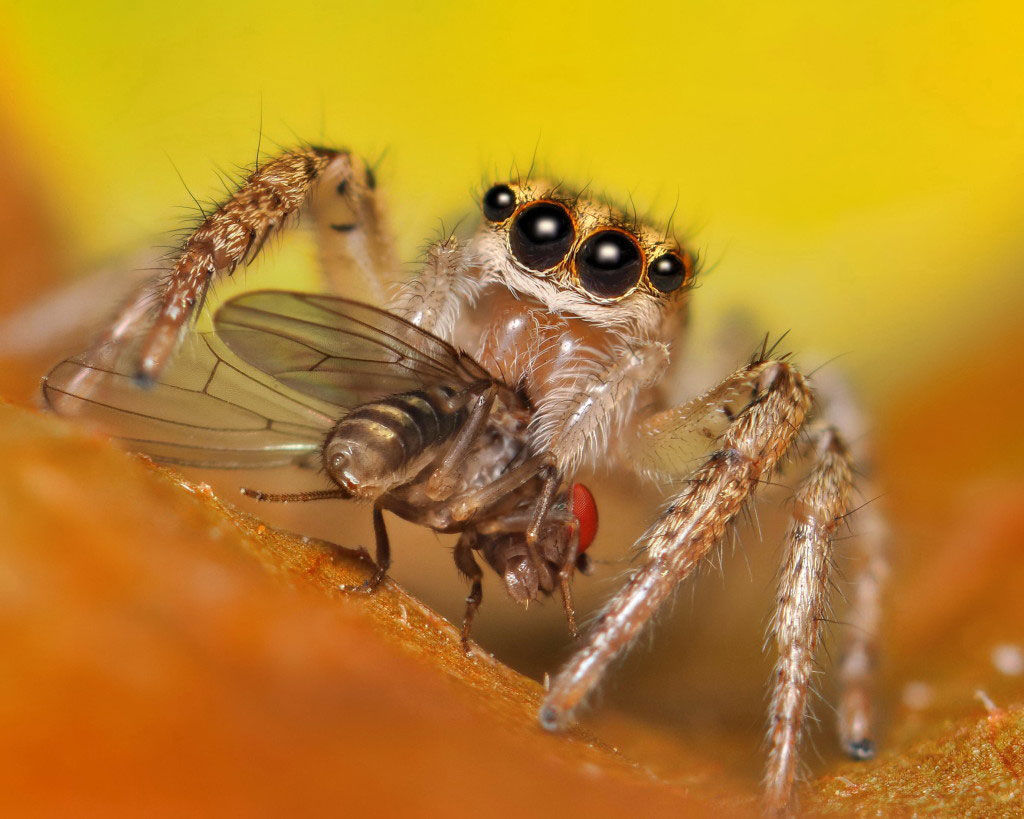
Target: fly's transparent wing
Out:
[337,350]
[208,408]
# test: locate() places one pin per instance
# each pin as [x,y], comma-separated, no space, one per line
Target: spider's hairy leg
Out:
[230,236]
[821,501]
[352,229]
[691,525]
[867,549]
[860,633]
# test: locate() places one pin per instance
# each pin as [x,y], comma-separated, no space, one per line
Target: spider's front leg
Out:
[335,187]
[752,418]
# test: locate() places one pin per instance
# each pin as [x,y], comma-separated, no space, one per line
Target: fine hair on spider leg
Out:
[272,196]
[866,548]
[857,659]
[692,524]
[819,507]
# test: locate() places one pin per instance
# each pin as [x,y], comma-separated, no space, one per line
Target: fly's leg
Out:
[541,507]
[273,195]
[565,574]
[452,514]
[519,521]
[482,501]
[383,556]
[820,504]
[441,482]
[689,527]
[467,565]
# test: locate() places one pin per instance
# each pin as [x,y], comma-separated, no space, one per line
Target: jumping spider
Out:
[568,311]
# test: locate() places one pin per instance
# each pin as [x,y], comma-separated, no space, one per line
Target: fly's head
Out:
[563,541]
[581,256]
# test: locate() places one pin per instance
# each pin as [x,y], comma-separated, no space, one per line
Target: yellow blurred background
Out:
[851,173]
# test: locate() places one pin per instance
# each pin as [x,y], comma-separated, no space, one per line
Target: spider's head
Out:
[581,256]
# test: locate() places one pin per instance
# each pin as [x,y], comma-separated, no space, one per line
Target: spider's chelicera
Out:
[469,401]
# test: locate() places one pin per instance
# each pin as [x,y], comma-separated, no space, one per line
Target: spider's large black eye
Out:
[667,272]
[499,203]
[541,235]
[609,263]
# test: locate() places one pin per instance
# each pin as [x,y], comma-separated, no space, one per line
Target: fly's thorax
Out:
[383,444]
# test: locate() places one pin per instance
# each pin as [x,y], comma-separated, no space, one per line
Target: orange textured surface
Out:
[164,654]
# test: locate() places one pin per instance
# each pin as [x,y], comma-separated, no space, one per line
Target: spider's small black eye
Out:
[667,272]
[541,235]
[609,263]
[499,203]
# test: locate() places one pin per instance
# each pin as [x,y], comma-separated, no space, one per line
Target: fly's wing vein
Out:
[338,350]
[208,409]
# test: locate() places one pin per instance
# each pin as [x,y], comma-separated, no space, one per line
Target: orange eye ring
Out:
[670,271]
[541,235]
[609,263]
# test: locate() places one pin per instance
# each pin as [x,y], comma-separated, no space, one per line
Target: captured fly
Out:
[390,413]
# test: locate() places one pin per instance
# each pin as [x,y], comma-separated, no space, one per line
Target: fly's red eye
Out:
[584,509]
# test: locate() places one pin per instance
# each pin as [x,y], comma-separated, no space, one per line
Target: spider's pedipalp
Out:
[432,300]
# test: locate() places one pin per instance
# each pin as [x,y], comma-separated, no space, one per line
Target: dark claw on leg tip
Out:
[861,749]
[143,379]
[549,718]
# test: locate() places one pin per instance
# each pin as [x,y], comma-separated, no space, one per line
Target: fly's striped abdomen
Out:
[384,443]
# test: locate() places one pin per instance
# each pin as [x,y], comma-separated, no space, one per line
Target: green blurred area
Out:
[852,173]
